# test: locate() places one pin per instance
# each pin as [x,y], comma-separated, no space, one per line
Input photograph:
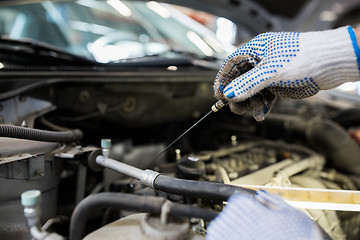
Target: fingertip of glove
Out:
[230,95]
[221,88]
[229,92]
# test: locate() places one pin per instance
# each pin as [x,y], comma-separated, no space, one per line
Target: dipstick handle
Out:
[218,105]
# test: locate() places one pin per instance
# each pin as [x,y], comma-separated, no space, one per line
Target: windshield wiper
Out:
[193,54]
[179,57]
[28,47]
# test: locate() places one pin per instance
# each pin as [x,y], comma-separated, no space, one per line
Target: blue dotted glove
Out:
[263,216]
[287,65]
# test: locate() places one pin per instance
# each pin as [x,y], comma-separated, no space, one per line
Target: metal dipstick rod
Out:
[214,108]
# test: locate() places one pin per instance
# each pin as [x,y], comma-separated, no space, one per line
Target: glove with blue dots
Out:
[287,65]
[263,216]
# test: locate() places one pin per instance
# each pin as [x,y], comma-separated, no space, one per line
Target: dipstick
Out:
[214,108]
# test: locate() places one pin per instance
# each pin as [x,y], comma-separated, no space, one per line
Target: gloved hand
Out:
[287,65]
[263,216]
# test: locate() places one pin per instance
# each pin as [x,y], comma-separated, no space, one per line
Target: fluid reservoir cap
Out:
[31,198]
[105,143]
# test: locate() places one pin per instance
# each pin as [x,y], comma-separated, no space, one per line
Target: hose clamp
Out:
[149,177]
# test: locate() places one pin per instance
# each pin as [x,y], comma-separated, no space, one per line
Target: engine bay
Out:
[310,144]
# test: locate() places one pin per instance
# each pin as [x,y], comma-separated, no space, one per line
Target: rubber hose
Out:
[129,202]
[39,135]
[325,135]
[198,189]
[348,118]
[339,147]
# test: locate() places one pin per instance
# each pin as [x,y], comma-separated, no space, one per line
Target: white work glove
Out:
[287,65]
[262,216]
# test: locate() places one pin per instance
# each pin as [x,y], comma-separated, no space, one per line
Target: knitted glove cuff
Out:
[334,57]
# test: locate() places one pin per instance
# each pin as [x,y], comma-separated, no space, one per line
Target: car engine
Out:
[54,146]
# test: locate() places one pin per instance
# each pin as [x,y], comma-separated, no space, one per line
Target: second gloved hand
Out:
[287,65]
[263,216]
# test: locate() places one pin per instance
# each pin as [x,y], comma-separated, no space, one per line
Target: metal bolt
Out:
[39,172]
[129,104]
[24,124]
[233,140]
[177,154]
[84,96]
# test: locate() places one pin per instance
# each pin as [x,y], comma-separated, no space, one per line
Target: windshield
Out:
[111,30]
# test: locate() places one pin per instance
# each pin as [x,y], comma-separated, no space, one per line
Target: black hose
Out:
[39,135]
[348,118]
[198,189]
[182,210]
[129,202]
[339,147]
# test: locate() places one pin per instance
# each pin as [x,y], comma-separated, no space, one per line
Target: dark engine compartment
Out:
[314,142]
